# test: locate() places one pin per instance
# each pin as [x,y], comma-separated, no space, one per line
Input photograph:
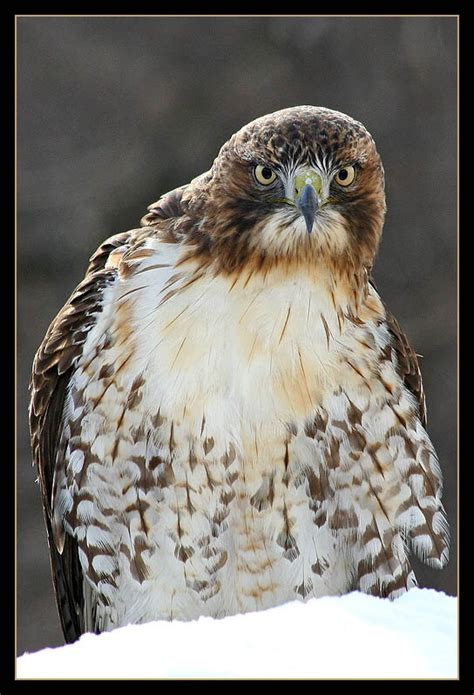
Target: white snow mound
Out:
[352,636]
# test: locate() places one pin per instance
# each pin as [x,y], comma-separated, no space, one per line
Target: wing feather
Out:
[52,369]
[408,366]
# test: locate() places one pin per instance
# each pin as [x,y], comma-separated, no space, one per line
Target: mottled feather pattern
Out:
[224,415]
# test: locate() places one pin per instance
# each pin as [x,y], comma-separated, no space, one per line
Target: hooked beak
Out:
[308,203]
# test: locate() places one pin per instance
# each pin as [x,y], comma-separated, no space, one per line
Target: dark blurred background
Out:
[112,112]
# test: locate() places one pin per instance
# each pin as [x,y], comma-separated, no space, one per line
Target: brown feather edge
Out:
[168,206]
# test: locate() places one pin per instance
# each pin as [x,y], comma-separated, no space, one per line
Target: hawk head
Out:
[304,184]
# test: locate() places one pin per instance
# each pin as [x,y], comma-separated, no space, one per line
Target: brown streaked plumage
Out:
[224,415]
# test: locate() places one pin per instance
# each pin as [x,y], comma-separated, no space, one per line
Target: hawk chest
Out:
[199,437]
[258,353]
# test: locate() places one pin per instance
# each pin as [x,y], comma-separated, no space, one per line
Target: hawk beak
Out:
[308,203]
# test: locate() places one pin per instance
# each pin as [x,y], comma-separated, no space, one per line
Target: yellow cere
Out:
[305,176]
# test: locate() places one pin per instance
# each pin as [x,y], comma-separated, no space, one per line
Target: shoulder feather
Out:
[168,206]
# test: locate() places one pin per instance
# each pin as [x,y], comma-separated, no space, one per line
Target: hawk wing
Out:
[53,367]
[408,366]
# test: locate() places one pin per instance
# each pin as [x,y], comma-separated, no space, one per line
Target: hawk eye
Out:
[264,175]
[345,176]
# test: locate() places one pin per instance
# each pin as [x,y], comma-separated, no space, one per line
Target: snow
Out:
[352,636]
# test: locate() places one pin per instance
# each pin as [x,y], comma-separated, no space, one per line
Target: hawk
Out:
[224,415]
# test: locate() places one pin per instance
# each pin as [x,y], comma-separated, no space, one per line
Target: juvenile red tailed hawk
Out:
[224,414]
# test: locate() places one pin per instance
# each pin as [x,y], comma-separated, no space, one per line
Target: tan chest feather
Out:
[201,422]
[250,358]
[272,348]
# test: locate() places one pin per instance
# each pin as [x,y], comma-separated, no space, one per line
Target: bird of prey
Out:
[224,415]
